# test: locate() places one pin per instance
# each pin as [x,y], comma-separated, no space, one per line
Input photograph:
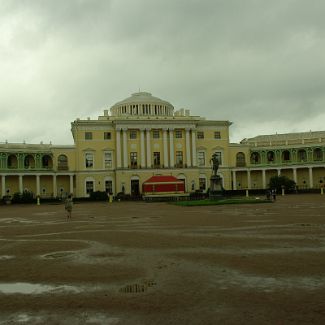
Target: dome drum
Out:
[142,103]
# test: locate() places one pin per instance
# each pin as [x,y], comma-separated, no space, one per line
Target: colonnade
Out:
[263,173]
[38,182]
[122,155]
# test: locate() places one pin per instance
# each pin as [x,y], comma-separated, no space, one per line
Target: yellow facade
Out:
[144,136]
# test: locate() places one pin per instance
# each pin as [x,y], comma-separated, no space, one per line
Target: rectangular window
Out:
[200,135]
[134,159]
[218,156]
[107,136]
[179,159]
[133,134]
[202,183]
[201,158]
[89,187]
[88,135]
[178,134]
[217,135]
[155,134]
[156,159]
[108,186]
[108,160]
[89,160]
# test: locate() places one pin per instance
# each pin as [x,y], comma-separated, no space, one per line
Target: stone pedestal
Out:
[215,187]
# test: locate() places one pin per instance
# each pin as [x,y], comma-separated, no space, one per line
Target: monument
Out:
[216,190]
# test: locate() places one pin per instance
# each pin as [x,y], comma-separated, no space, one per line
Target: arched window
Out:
[255,158]
[285,155]
[240,159]
[12,161]
[63,162]
[270,156]
[317,154]
[302,155]
[29,161]
[47,161]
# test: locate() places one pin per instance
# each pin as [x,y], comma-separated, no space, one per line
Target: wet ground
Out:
[156,263]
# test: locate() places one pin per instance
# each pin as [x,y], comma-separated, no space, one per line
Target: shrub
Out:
[279,182]
[25,197]
[98,196]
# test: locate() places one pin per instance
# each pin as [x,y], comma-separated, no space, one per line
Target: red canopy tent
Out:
[163,185]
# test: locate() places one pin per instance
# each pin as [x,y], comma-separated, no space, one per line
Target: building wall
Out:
[101,154]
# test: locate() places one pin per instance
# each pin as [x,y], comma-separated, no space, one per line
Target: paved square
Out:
[156,263]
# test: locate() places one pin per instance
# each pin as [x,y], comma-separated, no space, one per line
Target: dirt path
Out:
[155,263]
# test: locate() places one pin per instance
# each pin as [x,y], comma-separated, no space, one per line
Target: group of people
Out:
[271,194]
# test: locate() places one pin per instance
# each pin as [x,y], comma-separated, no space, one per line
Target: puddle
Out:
[35,288]
[44,213]
[48,317]
[6,257]
[15,220]
[58,255]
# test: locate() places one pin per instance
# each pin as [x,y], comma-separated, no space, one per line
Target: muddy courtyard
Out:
[157,263]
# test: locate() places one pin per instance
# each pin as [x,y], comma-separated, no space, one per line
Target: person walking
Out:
[68,206]
[274,194]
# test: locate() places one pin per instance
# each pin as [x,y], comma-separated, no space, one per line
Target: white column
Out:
[193,148]
[171,148]
[263,179]
[21,183]
[142,149]
[55,189]
[249,185]
[311,183]
[294,171]
[71,184]
[118,148]
[234,180]
[125,148]
[3,185]
[148,148]
[279,172]
[165,148]
[188,148]
[38,192]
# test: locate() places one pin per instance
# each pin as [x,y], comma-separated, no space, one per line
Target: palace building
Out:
[144,136]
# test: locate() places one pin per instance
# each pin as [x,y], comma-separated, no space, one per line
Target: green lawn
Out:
[222,201]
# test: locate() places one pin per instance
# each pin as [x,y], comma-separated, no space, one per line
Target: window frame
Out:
[108,165]
[179,161]
[179,134]
[134,159]
[107,135]
[155,134]
[132,134]
[90,154]
[217,135]
[200,158]
[200,135]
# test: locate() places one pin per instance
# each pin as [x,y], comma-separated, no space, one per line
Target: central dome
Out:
[142,103]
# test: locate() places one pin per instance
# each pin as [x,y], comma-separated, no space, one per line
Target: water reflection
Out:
[35,288]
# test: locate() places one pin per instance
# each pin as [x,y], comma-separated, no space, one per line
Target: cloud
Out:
[257,63]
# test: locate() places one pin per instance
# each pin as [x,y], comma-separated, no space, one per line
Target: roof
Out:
[286,136]
[161,179]
[142,98]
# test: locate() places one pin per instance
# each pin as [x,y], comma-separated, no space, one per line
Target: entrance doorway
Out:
[135,187]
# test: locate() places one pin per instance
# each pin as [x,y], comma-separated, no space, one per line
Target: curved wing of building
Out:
[143,136]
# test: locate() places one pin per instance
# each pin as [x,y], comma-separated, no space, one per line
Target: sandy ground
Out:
[155,263]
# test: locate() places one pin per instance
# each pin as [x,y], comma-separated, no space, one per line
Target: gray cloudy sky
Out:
[257,63]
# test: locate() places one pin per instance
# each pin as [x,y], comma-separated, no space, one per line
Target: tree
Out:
[279,182]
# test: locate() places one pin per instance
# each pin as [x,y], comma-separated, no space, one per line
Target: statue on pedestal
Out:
[215,164]
[216,189]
